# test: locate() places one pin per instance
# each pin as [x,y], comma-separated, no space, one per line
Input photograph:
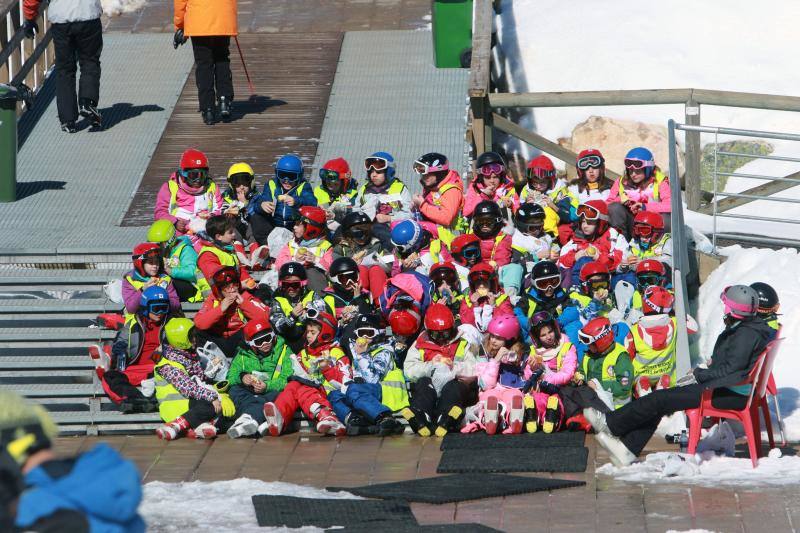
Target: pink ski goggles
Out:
[491,169]
[637,164]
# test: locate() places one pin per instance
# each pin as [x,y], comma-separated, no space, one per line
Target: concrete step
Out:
[53,362]
[48,335]
[55,390]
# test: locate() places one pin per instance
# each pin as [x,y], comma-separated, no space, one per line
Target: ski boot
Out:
[387,425]
[358,425]
[448,420]
[205,431]
[491,415]
[172,430]
[643,387]
[328,424]
[552,414]
[258,256]
[102,358]
[244,426]
[516,415]
[209,116]
[225,105]
[664,382]
[531,416]
[274,422]
[417,421]
[88,110]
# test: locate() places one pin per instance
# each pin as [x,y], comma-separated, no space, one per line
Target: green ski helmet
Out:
[179,333]
[162,232]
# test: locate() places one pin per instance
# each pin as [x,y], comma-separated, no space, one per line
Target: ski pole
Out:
[247,74]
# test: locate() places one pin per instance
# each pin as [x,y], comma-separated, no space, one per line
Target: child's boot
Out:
[417,421]
[531,417]
[206,430]
[664,382]
[172,430]
[328,424]
[274,422]
[387,425]
[101,359]
[244,426]
[241,254]
[516,415]
[491,415]
[258,255]
[448,420]
[552,414]
[358,425]
[643,387]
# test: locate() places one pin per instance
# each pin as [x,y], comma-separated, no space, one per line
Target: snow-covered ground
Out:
[217,506]
[117,7]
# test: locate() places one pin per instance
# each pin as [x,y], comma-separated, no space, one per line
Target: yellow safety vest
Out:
[286,306]
[497,241]
[317,251]
[395,188]
[653,251]
[459,221]
[651,362]
[163,282]
[273,188]
[559,356]
[394,392]
[202,285]
[500,299]
[335,352]
[658,177]
[173,196]
[609,362]
[324,197]
[216,303]
[171,403]
[225,258]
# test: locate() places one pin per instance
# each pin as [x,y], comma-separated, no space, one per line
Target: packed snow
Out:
[112,8]
[219,506]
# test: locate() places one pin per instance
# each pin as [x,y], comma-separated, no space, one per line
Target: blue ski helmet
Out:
[391,167]
[289,168]
[644,155]
[407,236]
[154,300]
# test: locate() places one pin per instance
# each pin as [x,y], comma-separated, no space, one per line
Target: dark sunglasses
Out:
[240,179]
[291,285]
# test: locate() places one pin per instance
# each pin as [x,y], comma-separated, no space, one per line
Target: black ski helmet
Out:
[545,269]
[292,269]
[529,215]
[768,301]
[369,320]
[489,157]
[432,163]
[341,265]
[487,212]
[350,228]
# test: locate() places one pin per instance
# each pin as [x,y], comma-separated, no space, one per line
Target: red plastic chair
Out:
[749,416]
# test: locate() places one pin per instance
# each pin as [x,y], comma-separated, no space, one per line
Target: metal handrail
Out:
[24,62]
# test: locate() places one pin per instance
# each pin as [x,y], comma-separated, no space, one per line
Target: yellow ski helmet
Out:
[243,170]
[179,333]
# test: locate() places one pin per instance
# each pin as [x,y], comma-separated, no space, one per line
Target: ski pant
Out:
[77,43]
[262,226]
[455,392]
[212,69]
[118,386]
[228,345]
[362,397]
[202,411]
[541,406]
[373,278]
[249,403]
[504,397]
[297,395]
[621,219]
[636,422]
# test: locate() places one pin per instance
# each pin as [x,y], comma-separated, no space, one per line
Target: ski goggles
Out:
[550,282]
[441,336]
[649,278]
[643,230]
[357,233]
[328,175]
[195,176]
[377,164]
[637,164]
[150,256]
[422,168]
[540,174]
[595,285]
[286,176]
[527,227]
[346,278]
[292,285]
[223,279]
[367,332]
[471,252]
[540,318]
[267,337]
[481,278]
[444,275]
[312,313]
[589,161]
[242,178]
[590,213]
[491,169]
[158,308]
[588,339]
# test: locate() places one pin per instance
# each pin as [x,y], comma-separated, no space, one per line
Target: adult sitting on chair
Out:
[625,432]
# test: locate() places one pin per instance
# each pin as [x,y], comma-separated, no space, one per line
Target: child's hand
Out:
[232,210]
[323,364]
[418,200]
[491,297]
[600,294]
[288,199]
[217,406]
[259,386]
[474,297]
[268,207]
[298,310]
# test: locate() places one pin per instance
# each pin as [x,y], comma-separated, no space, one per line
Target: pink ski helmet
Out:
[504,326]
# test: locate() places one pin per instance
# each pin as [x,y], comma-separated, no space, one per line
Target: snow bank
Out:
[708,470]
[218,506]
[112,8]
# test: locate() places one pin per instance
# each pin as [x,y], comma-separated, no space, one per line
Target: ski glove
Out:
[178,39]
[228,409]
[31,28]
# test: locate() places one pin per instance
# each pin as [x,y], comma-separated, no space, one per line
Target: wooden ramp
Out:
[292,74]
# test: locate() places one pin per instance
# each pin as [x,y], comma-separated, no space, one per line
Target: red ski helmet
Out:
[595,211]
[404,322]
[223,277]
[444,271]
[465,248]
[648,226]
[597,335]
[590,158]
[192,159]
[258,331]
[143,252]
[315,221]
[657,300]
[592,269]
[328,326]
[541,168]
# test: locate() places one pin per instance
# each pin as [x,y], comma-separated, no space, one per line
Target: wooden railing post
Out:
[693,156]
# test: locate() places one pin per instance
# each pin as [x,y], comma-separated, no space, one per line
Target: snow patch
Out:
[708,470]
[112,8]
[217,506]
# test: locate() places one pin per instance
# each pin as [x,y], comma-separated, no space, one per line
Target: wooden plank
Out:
[753,100]
[481,64]
[691,180]
[591,98]
[765,189]
[292,74]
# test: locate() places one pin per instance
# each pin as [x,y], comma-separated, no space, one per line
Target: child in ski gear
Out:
[344,298]
[592,183]
[488,224]
[188,401]
[319,369]
[279,202]
[336,192]
[447,287]
[238,203]
[592,240]
[258,373]
[441,366]
[551,365]
[442,192]
[544,189]
[649,240]
[290,302]
[491,183]
[215,250]
[529,242]
[466,252]
[136,349]
[607,366]
[224,313]
[148,271]
[180,261]
[383,197]
[643,187]
[654,338]
[415,248]
[310,246]
[190,196]
[485,298]
[96,490]
[545,293]
[500,378]
[358,243]
[378,388]
[768,304]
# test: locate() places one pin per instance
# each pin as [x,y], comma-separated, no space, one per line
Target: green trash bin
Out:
[452,33]
[8,143]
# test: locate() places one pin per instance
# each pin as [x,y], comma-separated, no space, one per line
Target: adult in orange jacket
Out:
[210,24]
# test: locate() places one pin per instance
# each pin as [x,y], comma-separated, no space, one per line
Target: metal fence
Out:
[24,61]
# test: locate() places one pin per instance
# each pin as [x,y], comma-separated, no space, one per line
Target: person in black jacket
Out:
[625,432]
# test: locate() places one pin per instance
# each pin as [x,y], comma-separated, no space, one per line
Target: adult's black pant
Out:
[212,69]
[636,422]
[77,43]
[455,392]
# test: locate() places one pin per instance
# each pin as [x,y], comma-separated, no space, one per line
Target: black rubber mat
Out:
[475,441]
[459,487]
[567,459]
[289,511]
[433,528]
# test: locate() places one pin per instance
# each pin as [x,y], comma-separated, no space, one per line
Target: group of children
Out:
[487,307]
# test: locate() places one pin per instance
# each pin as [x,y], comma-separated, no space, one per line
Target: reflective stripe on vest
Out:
[609,361]
[225,258]
[287,307]
[500,299]
[653,250]
[173,196]
[559,356]
[163,282]
[200,283]
[395,188]
[582,299]
[317,251]
[651,362]
[658,177]
[497,241]
[171,403]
